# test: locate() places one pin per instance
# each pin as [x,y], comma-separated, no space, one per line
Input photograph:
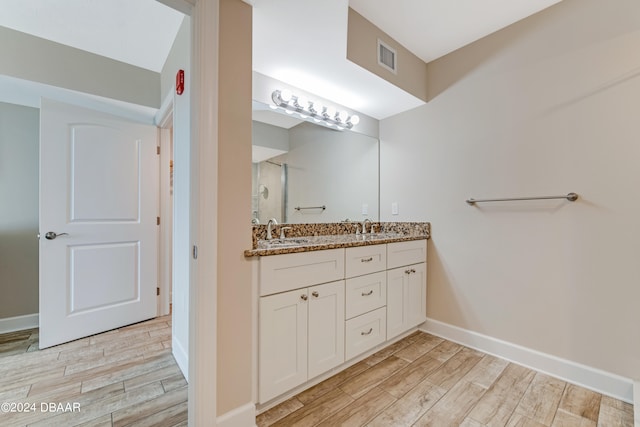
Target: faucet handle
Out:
[282,231]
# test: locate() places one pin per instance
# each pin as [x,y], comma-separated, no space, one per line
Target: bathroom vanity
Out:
[328,300]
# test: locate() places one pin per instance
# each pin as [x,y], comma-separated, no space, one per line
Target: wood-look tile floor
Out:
[124,377]
[423,380]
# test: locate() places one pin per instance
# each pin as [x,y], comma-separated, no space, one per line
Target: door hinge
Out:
[158,291]
[157,220]
[158,150]
[195,252]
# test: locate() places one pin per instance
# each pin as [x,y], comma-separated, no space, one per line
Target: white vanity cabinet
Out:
[320,309]
[301,331]
[406,286]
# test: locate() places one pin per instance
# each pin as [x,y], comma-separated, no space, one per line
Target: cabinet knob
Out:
[315,294]
[368,332]
[413,270]
[304,297]
[408,271]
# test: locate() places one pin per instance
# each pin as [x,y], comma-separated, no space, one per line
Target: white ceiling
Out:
[432,28]
[138,32]
[302,43]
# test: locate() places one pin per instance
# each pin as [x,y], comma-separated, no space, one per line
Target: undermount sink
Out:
[383,235]
[283,243]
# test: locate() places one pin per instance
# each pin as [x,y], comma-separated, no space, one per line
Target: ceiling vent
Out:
[387,57]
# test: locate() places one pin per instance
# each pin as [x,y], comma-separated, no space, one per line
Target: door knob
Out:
[50,235]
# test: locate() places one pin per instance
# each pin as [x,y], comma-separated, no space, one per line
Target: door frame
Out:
[164,120]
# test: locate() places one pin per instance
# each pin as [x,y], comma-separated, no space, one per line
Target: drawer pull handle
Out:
[366,294]
[366,259]
[315,294]
[303,297]
[368,332]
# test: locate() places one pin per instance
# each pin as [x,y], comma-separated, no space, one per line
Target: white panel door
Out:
[98,234]
[282,343]
[326,327]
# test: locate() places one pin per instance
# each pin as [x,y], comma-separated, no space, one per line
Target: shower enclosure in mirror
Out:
[307,173]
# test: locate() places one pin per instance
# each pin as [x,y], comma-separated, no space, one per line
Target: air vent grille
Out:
[387,57]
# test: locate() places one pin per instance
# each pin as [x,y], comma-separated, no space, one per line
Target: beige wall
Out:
[234,207]
[546,106]
[19,145]
[39,60]
[362,49]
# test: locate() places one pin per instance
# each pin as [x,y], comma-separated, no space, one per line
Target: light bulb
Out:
[302,103]
[286,95]
[354,120]
[342,116]
[330,112]
[317,108]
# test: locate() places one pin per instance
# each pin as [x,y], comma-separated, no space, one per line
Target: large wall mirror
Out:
[307,173]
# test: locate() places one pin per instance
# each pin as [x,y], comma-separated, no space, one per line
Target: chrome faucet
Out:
[270,225]
[364,226]
[282,232]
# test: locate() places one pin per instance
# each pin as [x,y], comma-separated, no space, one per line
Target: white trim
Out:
[244,415]
[181,356]
[585,376]
[636,403]
[164,116]
[18,323]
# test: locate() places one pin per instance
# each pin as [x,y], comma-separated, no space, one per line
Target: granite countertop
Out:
[398,232]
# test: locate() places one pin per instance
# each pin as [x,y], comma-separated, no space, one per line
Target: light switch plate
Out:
[394,208]
[365,209]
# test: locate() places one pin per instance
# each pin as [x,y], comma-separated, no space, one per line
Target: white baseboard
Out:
[594,379]
[181,356]
[242,416]
[18,323]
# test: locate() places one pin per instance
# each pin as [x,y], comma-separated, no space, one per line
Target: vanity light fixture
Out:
[314,109]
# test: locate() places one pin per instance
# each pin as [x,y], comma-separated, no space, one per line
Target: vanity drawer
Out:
[281,273]
[365,293]
[365,332]
[362,260]
[406,253]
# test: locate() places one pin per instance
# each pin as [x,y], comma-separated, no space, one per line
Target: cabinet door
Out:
[326,327]
[406,298]
[416,295]
[396,317]
[282,343]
